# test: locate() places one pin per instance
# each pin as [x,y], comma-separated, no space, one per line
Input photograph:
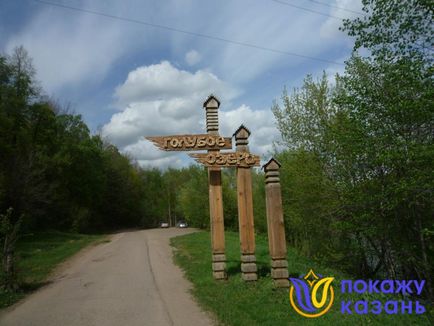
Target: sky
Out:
[148,73]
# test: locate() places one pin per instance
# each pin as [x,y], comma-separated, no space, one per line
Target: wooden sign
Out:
[234,159]
[191,142]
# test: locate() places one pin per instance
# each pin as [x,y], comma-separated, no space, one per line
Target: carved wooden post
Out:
[275,223]
[211,106]
[245,210]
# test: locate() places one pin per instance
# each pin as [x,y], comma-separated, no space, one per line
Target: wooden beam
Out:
[245,206]
[275,224]
[227,159]
[211,106]
[191,142]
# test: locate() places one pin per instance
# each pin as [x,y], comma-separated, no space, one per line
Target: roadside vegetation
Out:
[237,303]
[357,153]
[37,254]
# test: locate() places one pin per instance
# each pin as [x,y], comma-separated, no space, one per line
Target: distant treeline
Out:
[52,170]
[57,175]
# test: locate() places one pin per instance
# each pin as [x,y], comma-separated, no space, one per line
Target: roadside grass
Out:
[38,254]
[237,303]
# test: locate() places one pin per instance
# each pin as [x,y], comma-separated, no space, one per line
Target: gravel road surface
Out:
[130,280]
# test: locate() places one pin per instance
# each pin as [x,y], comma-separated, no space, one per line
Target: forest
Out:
[357,157]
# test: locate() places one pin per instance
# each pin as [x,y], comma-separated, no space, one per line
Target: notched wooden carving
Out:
[191,142]
[234,159]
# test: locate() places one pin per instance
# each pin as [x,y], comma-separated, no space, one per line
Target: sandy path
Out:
[128,281]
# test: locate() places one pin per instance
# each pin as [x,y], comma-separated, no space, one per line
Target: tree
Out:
[229,193]
[369,139]
[154,197]
[309,187]
[52,170]
[393,30]
[259,208]
[18,166]
[389,95]
[193,197]
[8,237]
[173,181]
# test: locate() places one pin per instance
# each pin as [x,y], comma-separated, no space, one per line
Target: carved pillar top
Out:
[211,106]
[242,139]
[271,169]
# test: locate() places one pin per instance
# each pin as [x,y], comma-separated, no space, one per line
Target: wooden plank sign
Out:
[191,142]
[233,159]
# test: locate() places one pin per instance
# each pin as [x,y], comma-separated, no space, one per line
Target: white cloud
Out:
[192,57]
[154,118]
[162,100]
[163,163]
[261,123]
[147,155]
[163,81]
[73,50]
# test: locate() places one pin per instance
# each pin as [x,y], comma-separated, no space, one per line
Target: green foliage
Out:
[358,189]
[395,29]
[302,121]
[9,230]
[235,302]
[38,254]
[173,180]
[194,201]
[230,206]
[154,197]
[52,169]
[309,202]
[193,197]
[357,173]
[259,209]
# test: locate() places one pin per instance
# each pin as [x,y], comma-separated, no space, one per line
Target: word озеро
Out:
[240,159]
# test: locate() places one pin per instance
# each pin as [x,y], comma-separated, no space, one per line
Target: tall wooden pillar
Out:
[211,106]
[275,224]
[245,210]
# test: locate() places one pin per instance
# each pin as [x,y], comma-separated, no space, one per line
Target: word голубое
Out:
[191,142]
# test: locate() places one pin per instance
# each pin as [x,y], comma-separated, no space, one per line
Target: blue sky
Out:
[130,80]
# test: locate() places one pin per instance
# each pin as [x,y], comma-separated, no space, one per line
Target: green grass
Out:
[236,303]
[37,255]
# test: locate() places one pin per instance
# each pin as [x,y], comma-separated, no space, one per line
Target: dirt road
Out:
[130,280]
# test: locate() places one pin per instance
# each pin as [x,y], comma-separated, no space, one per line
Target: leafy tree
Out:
[173,181]
[390,95]
[389,152]
[229,192]
[302,121]
[154,199]
[193,197]
[9,231]
[393,30]
[259,210]
[52,169]
[18,90]
[369,140]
